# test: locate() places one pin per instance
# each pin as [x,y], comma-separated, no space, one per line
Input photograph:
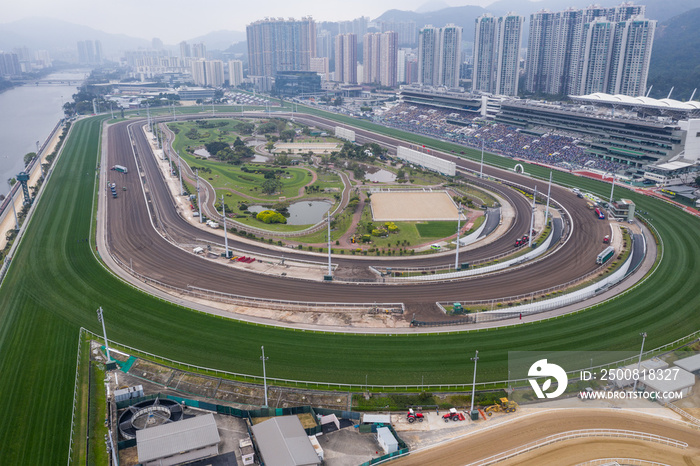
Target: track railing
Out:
[258,302]
[75,397]
[575,434]
[621,461]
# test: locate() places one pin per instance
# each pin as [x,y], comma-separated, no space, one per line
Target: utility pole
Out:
[223,212]
[532,218]
[639,363]
[459,226]
[475,359]
[199,205]
[263,359]
[101,319]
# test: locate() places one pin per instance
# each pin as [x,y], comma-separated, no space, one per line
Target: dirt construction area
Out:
[412,206]
[479,445]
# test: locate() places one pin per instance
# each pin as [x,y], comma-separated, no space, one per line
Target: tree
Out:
[271,186]
[28,157]
[287,135]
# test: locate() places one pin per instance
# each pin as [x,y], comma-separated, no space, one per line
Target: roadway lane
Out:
[134,241]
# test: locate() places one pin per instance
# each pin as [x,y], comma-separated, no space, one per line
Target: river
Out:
[28,114]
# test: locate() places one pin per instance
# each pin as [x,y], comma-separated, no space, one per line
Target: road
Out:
[134,241]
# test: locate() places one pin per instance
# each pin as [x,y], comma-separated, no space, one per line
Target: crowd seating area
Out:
[559,150]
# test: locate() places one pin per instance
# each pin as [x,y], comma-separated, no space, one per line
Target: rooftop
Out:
[170,439]
[283,441]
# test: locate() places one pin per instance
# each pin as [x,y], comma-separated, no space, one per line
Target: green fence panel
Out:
[207,406]
[126,444]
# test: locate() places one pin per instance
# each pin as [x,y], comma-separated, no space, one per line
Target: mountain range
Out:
[675,57]
[50,34]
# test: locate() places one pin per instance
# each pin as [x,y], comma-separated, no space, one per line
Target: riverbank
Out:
[7,216]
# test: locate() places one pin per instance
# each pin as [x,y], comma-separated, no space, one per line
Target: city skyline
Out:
[178,21]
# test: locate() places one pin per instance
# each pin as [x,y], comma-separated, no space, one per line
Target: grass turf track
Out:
[55,285]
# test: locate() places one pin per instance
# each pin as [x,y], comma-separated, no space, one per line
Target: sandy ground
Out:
[412,206]
[516,431]
[7,221]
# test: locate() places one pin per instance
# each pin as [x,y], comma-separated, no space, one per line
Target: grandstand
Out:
[618,136]
[537,145]
[476,105]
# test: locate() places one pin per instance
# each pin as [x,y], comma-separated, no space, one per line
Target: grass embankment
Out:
[55,284]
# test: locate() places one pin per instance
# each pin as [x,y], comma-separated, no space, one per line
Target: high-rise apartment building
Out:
[379,55]
[320,65]
[185,50]
[497,54]
[428,55]
[324,44]
[280,45]
[199,50]
[406,30]
[388,57]
[346,58]
[215,73]
[9,65]
[99,55]
[199,72]
[370,58]
[235,72]
[439,55]
[450,55]
[207,72]
[577,50]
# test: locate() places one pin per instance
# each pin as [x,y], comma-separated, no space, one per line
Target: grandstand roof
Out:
[609,99]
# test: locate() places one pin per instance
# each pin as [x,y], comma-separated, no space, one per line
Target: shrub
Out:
[270,216]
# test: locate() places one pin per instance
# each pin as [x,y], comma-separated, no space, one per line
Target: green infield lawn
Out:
[55,284]
[436,229]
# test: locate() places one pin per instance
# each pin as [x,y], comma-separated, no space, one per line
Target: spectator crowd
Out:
[559,150]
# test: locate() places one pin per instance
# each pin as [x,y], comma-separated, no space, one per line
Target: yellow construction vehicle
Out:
[506,406]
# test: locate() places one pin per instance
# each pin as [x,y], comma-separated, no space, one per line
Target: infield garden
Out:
[56,282]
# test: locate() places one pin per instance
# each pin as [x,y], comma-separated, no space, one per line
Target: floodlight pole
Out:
[330,269]
[263,359]
[100,317]
[475,359]
[223,212]
[612,190]
[199,205]
[481,167]
[459,226]
[639,363]
[179,170]
[532,218]
[549,191]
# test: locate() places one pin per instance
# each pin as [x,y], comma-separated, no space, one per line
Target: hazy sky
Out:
[176,20]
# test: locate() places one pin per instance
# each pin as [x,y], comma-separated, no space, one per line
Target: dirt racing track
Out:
[620,434]
[143,215]
[140,218]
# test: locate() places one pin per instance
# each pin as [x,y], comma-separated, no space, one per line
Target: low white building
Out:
[387,440]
